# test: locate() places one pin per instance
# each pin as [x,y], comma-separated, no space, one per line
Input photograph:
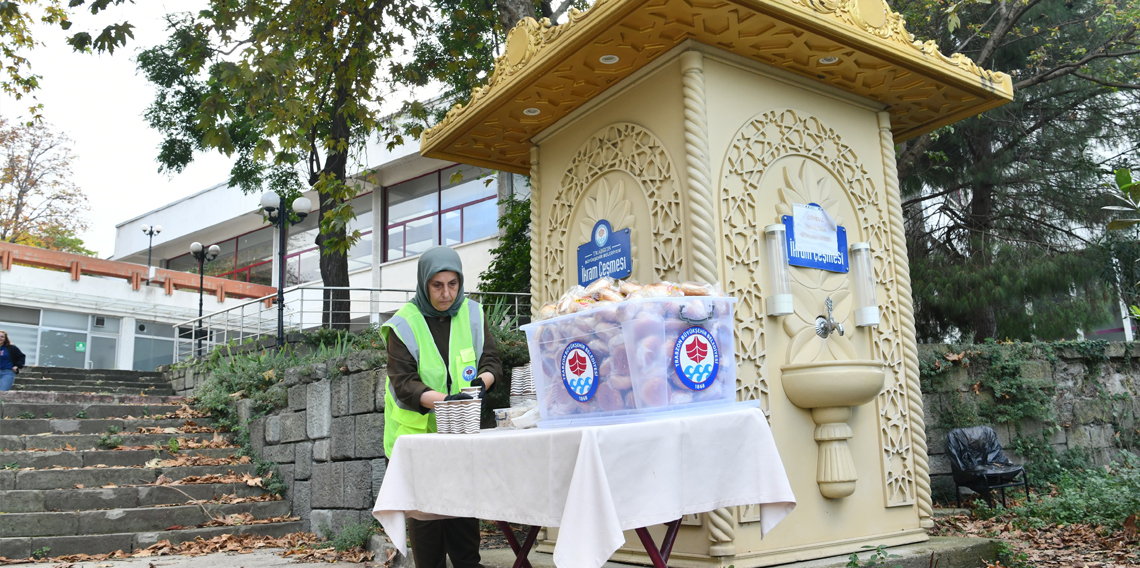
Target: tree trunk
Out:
[980,223]
[334,264]
[512,11]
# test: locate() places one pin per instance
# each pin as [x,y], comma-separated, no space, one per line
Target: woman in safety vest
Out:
[437,344]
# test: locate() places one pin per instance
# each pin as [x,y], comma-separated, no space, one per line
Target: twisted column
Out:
[702,207]
[906,312]
[722,532]
[535,242]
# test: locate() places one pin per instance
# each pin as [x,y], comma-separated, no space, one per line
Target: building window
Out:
[249,257]
[432,209]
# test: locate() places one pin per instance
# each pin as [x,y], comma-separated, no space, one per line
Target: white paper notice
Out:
[814,231]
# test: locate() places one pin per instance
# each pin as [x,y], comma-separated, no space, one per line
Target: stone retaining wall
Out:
[329,440]
[1094,402]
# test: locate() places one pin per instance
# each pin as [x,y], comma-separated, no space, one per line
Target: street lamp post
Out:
[279,216]
[203,255]
[150,231]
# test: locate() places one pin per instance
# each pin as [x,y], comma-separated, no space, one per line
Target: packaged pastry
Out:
[547,311]
[697,289]
[603,283]
[628,287]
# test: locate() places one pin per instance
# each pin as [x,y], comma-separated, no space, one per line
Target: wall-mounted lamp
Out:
[863,276]
[779,278]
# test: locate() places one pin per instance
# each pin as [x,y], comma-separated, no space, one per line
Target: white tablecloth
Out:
[592,482]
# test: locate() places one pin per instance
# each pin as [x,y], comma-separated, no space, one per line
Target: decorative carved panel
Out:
[618,171]
[812,146]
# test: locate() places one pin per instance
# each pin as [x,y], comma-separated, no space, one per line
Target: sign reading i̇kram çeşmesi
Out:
[814,240]
[608,253]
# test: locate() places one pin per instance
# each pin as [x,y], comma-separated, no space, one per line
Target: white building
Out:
[415,206]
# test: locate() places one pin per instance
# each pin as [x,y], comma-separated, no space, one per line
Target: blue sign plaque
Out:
[607,254]
[836,262]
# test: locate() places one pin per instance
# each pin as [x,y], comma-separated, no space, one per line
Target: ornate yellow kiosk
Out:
[722,133]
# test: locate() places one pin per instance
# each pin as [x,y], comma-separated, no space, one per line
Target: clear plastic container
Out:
[638,356]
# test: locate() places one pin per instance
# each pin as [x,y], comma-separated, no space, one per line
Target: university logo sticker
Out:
[469,373]
[579,371]
[696,358]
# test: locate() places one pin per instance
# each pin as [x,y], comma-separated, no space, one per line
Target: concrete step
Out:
[69,425]
[85,398]
[139,519]
[89,441]
[41,500]
[22,547]
[119,374]
[109,458]
[56,384]
[11,480]
[93,411]
[142,390]
[92,376]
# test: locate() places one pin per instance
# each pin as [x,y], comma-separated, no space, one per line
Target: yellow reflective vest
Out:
[465,348]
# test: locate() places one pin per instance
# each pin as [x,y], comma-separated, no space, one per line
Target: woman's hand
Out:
[488,380]
[430,397]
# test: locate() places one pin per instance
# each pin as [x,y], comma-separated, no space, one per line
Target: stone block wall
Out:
[1094,402]
[329,439]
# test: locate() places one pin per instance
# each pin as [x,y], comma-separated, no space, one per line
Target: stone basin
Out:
[824,384]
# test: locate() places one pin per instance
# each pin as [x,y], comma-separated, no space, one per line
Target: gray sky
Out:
[98,101]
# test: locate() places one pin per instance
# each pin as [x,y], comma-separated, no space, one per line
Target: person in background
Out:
[438,343]
[11,360]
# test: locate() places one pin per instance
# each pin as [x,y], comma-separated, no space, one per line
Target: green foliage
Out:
[112,429]
[82,414]
[878,558]
[41,553]
[109,442]
[1044,465]
[351,536]
[47,415]
[1023,294]
[25,415]
[1103,496]
[509,270]
[13,465]
[1003,210]
[290,89]
[253,375]
[19,20]
[172,446]
[272,481]
[1009,558]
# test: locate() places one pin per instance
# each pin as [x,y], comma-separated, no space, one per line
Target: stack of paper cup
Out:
[522,386]
[444,416]
[466,418]
[473,391]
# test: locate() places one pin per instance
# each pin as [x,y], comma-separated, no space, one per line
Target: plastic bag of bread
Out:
[698,289]
[662,290]
[627,287]
[603,283]
[547,311]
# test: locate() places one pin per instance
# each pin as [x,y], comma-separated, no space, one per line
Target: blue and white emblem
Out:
[696,358]
[601,233]
[469,373]
[579,371]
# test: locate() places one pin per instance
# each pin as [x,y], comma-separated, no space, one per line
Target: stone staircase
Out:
[92,474]
[101,381]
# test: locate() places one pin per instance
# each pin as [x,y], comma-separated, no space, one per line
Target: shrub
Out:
[351,536]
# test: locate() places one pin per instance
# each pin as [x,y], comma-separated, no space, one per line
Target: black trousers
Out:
[457,538]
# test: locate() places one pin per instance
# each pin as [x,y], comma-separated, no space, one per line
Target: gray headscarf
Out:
[432,262]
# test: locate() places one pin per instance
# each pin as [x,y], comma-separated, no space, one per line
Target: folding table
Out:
[592,483]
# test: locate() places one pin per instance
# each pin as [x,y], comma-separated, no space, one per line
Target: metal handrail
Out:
[306,309]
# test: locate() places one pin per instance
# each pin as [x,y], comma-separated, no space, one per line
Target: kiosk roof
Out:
[859,46]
